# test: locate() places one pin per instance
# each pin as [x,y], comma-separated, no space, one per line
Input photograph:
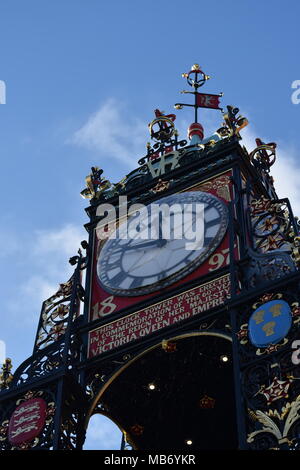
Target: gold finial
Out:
[6,376]
[95,184]
[195,67]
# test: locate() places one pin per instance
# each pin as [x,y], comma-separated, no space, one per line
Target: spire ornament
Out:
[6,376]
[264,155]
[162,131]
[95,184]
[196,78]
[233,122]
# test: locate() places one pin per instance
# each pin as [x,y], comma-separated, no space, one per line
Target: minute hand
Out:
[144,245]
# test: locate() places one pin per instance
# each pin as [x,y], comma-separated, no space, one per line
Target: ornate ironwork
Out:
[169,346]
[247,349]
[96,185]
[44,440]
[97,376]
[233,123]
[55,313]
[160,186]
[163,131]
[273,403]
[271,225]
[196,78]
[270,379]
[266,267]
[267,381]
[6,376]
[43,363]
[71,430]
[62,308]
[264,155]
[262,158]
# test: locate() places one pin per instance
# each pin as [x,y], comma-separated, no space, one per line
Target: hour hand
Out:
[160,242]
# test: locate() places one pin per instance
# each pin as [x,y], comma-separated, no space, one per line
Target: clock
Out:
[131,263]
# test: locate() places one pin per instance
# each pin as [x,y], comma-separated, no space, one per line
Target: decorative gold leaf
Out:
[292,416]
[268,426]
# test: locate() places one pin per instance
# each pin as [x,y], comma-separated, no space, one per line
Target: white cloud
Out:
[37,289]
[64,241]
[47,253]
[51,250]
[31,294]
[114,133]
[285,170]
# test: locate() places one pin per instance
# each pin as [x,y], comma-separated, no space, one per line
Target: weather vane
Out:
[196,78]
[162,128]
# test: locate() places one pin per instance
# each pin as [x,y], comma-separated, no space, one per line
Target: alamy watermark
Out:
[2,92]
[295,97]
[153,222]
[2,352]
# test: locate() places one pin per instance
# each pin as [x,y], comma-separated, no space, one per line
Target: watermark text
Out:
[2,352]
[2,92]
[153,222]
[295,97]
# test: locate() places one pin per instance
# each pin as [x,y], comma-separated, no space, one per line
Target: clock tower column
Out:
[188,338]
[201,338]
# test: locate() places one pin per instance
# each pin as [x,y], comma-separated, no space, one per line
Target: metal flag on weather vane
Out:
[197,78]
[205,100]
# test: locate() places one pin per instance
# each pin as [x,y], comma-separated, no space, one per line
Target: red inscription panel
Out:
[158,316]
[27,421]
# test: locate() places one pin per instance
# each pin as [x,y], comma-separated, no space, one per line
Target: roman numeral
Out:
[136,282]
[113,265]
[207,240]
[119,278]
[161,276]
[212,222]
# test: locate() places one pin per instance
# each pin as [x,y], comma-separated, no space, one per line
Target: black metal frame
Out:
[62,368]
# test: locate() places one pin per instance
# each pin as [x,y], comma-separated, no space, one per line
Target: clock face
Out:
[132,263]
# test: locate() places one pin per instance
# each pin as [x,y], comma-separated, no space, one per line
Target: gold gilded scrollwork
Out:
[6,376]
[289,411]
[221,185]
[95,184]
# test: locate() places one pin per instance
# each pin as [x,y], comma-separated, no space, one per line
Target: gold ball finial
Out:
[196,67]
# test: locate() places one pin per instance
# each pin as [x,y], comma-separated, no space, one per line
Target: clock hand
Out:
[144,245]
[138,262]
[161,241]
[144,259]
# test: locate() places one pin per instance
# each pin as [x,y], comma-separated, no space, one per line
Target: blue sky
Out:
[82,79]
